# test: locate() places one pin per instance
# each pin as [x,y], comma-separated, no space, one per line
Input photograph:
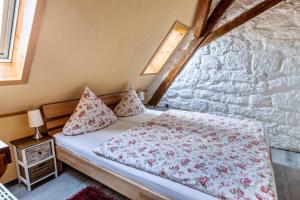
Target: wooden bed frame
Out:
[56,115]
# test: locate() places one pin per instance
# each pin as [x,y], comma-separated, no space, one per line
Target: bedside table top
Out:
[30,141]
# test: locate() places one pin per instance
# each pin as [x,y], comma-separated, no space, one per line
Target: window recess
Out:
[166,48]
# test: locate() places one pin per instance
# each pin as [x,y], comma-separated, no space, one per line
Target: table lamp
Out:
[35,121]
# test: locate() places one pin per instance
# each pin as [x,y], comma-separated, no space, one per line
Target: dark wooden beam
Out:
[217,13]
[241,19]
[209,36]
[202,13]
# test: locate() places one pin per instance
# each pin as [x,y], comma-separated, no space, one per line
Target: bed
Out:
[77,152]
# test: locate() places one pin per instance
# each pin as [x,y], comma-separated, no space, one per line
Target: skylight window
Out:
[8,20]
[166,48]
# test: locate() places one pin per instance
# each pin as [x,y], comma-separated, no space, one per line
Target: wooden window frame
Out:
[17,71]
[176,25]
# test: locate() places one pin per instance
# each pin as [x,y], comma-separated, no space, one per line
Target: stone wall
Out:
[253,72]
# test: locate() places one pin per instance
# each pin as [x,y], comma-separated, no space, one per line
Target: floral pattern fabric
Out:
[130,105]
[226,158]
[91,114]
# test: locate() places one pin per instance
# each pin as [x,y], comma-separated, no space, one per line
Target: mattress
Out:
[82,145]
[141,118]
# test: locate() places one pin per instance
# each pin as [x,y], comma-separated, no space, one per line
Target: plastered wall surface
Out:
[104,44]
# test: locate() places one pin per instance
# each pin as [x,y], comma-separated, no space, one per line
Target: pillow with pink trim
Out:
[130,105]
[91,114]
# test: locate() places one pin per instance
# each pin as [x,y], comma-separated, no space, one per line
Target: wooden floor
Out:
[66,185]
[71,181]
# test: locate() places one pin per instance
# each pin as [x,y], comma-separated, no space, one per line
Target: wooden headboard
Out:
[57,114]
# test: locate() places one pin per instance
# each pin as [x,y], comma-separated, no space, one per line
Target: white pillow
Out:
[91,114]
[130,105]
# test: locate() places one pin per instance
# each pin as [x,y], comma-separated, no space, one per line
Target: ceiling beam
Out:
[241,19]
[203,8]
[208,36]
[217,13]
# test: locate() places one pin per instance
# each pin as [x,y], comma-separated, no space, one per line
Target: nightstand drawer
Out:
[38,153]
[41,170]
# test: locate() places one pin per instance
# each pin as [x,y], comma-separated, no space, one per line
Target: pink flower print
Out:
[132,141]
[152,151]
[203,180]
[164,138]
[221,168]
[91,122]
[239,192]
[233,157]
[241,165]
[150,162]
[255,160]
[258,196]
[245,181]
[170,153]
[255,142]
[264,189]
[76,127]
[190,170]
[178,128]
[198,166]
[162,173]
[142,149]
[82,113]
[185,161]
[175,168]
[102,113]
[248,146]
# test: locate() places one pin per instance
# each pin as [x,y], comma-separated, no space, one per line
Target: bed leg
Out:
[59,165]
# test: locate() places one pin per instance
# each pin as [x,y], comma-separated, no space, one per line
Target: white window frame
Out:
[8,29]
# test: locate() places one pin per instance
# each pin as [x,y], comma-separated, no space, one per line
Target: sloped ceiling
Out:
[104,44]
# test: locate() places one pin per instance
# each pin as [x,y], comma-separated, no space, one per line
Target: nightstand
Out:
[35,159]
[5,158]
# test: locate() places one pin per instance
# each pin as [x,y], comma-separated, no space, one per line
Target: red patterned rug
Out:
[90,193]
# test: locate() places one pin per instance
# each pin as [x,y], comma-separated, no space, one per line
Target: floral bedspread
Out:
[226,158]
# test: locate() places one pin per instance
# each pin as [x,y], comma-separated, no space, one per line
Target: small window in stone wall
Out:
[166,48]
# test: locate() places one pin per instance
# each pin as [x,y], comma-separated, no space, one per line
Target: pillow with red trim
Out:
[91,114]
[130,105]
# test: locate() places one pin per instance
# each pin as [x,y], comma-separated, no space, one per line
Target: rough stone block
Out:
[259,100]
[291,65]
[278,83]
[293,100]
[293,119]
[186,93]
[235,60]
[265,62]
[209,62]
[171,94]
[217,107]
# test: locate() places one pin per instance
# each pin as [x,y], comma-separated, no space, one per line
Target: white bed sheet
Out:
[143,117]
[83,145]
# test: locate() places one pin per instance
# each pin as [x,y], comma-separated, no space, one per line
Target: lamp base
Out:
[38,134]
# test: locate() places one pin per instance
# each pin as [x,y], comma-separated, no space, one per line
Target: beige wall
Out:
[104,44]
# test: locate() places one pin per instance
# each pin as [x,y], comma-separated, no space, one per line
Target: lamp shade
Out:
[35,118]
[141,95]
